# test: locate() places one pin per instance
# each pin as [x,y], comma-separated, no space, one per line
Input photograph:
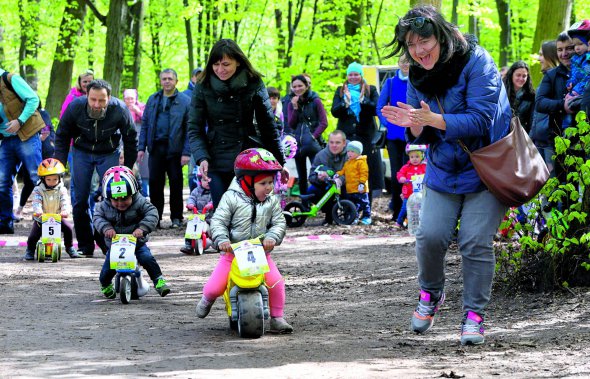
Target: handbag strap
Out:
[442,111]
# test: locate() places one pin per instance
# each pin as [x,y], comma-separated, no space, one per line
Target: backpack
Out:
[34,124]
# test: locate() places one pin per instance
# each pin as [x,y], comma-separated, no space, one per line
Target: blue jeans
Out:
[220,182]
[361,200]
[144,258]
[480,214]
[403,212]
[13,151]
[84,166]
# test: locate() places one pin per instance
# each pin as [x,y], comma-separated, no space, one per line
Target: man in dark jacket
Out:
[325,164]
[97,123]
[163,133]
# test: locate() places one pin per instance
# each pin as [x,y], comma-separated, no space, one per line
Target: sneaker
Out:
[423,317]
[18,214]
[87,254]
[176,223]
[72,252]
[162,287]
[472,329]
[108,291]
[29,255]
[279,325]
[366,221]
[187,249]
[203,307]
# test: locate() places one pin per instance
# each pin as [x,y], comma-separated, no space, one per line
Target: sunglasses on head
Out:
[417,22]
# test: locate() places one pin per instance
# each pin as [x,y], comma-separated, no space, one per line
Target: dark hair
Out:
[273,92]
[99,84]
[527,87]
[169,71]
[563,37]
[549,52]
[227,48]
[301,78]
[447,34]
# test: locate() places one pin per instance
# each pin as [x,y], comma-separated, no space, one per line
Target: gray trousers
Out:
[480,214]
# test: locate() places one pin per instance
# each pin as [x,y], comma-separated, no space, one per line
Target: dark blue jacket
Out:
[550,99]
[393,90]
[477,111]
[177,138]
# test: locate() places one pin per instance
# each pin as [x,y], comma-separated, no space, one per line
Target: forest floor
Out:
[350,295]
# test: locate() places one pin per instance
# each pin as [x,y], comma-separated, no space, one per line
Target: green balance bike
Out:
[344,211]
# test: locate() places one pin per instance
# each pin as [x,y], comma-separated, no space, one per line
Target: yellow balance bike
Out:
[246,295]
[50,243]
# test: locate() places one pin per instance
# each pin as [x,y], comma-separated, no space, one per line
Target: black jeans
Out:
[160,164]
[219,183]
[308,151]
[144,258]
[35,235]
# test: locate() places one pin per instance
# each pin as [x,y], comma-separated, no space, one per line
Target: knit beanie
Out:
[355,67]
[355,146]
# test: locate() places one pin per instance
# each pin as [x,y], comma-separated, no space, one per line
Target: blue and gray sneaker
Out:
[29,255]
[472,329]
[423,317]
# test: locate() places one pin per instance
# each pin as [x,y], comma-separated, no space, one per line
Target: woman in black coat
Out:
[521,93]
[354,105]
[228,96]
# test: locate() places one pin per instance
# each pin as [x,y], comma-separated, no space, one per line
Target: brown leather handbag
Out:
[511,168]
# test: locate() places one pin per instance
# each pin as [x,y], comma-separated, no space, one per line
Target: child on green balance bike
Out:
[124,210]
[343,212]
[248,210]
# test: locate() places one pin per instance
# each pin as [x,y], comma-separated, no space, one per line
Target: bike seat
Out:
[306,197]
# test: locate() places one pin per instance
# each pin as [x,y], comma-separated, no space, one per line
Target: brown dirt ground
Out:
[349,300]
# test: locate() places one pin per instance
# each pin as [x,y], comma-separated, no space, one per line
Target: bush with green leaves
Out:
[551,249]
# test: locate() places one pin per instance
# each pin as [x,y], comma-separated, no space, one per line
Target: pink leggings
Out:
[217,283]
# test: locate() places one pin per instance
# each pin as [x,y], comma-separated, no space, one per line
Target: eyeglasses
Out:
[416,22]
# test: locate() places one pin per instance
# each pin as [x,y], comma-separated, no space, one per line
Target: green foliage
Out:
[563,242]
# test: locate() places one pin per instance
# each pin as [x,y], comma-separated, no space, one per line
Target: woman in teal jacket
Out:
[451,69]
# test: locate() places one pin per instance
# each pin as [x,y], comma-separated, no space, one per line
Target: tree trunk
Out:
[117,29]
[454,14]
[505,31]
[435,3]
[2,53]
[62,68]
[29,40]
[132,50]
[90,25]
[353,21]
[293,18]
[189,41]
[552,18]
[280,43]
[473,22]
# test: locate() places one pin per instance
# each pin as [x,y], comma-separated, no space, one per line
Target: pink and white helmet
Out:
[119,181]
[289,146]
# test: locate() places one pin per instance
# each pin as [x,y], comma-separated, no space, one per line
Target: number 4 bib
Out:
[250,257]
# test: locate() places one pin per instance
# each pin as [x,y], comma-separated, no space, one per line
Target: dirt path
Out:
[349,299]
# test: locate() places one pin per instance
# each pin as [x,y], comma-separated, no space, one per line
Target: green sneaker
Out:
[108,291]
[162,287]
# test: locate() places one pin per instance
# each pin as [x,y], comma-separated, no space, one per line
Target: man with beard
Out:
[97,123]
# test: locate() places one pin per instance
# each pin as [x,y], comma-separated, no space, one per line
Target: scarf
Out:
[355,96]
[443,75]
[401,76]
[231,86]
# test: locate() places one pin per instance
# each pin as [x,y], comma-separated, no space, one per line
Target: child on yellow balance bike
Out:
[50,196]
[246,211]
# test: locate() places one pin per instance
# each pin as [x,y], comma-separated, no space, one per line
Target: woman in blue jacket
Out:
[449,67]
[394,90]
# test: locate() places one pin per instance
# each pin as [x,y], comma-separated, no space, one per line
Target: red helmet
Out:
[579,28]
[255,161]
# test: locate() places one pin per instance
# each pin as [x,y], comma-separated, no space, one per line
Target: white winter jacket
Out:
[233,222]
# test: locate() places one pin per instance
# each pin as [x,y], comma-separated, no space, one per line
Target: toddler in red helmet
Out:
[247,210]
[50,196]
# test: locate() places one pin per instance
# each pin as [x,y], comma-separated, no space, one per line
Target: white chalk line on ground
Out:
[17,241]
